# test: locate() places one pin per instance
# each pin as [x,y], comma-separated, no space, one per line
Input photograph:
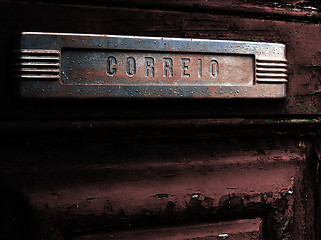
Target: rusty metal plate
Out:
[56,65]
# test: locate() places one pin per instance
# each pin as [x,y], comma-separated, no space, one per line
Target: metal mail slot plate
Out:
[57,65]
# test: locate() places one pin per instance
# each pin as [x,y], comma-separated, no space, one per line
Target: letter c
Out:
[111,61]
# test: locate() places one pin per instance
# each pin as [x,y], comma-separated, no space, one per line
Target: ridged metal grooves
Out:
[37,64]
[271,71]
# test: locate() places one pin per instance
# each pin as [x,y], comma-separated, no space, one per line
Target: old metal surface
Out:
[95,66]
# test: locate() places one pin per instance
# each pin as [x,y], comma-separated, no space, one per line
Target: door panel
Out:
[84,169]
[127,185]
[235,230]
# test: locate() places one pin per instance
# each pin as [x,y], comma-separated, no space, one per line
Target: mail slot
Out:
[56,65]
[191,120]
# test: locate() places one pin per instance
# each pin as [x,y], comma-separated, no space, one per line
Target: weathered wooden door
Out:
[163,168]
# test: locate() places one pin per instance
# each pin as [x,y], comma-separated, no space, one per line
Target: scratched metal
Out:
[56,65]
